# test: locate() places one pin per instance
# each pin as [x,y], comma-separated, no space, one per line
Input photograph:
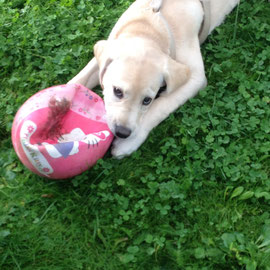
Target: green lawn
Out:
[197,193]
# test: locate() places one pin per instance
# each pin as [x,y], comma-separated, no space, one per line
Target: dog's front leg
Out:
[165,105]
[88,76]
[124,147]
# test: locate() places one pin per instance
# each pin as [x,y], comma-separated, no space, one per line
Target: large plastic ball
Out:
[61,131]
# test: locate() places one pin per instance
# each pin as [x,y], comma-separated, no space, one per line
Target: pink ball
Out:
[61,131]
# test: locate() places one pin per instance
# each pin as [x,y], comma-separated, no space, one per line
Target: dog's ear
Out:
[102,54]
[175,74]
[101,51]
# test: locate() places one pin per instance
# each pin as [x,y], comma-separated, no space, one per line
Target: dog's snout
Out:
[122,132]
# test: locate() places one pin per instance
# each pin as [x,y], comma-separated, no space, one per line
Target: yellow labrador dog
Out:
[151,64]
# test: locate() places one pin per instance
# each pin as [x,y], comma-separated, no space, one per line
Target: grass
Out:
[195,196]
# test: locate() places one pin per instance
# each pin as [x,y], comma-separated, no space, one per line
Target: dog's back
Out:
[215,12]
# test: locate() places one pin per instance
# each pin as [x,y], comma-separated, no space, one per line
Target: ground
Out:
[195,196]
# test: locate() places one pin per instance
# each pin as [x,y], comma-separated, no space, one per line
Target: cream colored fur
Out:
[152,42]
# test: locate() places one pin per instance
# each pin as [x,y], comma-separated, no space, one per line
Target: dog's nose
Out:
[122,132]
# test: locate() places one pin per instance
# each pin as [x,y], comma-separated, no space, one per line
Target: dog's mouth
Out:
[162,89]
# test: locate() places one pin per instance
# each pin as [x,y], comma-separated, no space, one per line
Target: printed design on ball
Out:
[31,151]
[68,144]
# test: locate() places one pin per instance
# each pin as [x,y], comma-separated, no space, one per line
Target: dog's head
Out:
[131,77]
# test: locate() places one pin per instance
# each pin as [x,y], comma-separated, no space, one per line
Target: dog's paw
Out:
[125,147]
[122,148]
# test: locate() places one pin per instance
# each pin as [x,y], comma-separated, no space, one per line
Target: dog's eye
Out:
[147,101]
[118,92]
